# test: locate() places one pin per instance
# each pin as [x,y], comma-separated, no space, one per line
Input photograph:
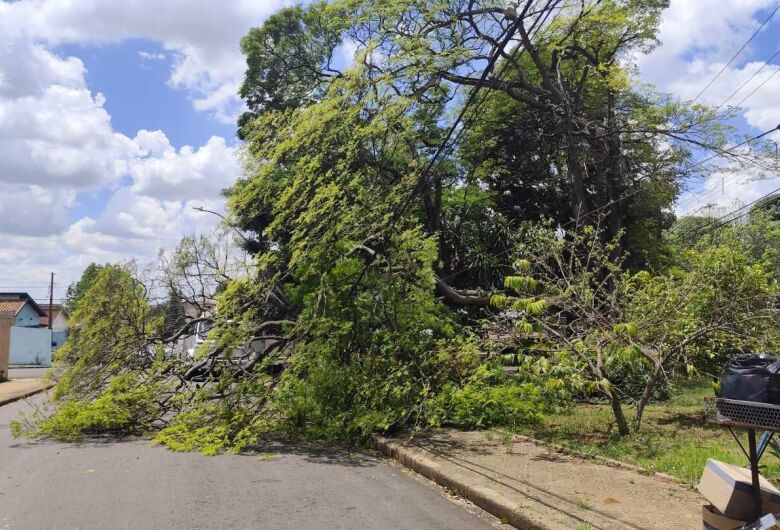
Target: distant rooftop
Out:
[12,303]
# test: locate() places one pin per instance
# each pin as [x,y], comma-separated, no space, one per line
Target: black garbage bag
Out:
[752,377]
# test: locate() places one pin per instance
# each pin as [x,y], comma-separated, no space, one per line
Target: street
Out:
[108,484]
[26,372]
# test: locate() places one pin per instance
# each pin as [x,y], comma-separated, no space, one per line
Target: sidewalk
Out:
[16,389]
[532,486]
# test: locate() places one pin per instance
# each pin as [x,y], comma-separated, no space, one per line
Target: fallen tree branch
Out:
[462,297]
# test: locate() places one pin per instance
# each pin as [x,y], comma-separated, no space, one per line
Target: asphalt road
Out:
[113,485]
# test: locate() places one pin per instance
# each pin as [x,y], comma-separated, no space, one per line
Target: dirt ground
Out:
[563,490]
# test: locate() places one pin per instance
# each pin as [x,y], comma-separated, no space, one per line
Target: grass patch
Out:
[674,438]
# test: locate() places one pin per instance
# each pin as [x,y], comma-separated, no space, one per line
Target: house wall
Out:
[58,338]
[60,322]
[5,342]
[27,317]
[30,346]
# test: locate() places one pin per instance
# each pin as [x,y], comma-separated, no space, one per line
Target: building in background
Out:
[202,311]
[59,323]
[22,339]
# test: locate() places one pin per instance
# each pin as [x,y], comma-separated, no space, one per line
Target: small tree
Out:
[77,289]
[572,295]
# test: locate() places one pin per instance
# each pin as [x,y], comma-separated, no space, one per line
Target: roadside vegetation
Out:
[675,439]
[382,265]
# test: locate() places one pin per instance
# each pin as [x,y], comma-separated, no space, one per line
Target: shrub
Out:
[476,406]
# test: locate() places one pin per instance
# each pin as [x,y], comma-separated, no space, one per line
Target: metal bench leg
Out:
[754,473]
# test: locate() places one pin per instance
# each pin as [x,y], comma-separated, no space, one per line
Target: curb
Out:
[25,395]
[492,502]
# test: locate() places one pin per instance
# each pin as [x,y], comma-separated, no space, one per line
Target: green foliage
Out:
[126,406]
[474,237]
[108,382]
[337,331]
[676,439]
[289,58]
[480,407]
[375,351]
[76,290]
[625,331]
[108,334]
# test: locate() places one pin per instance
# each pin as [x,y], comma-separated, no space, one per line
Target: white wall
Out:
[60,322]
[30,346]
[58,338]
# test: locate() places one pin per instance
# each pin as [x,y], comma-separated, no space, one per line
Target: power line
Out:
[446,145]
[749,79]
[722,153]
[717,225]
[504,39]
[757,88]
[764,23]
[615,201]
[701,162]
[637,190]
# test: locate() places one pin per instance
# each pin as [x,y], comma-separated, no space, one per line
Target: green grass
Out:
[674,438]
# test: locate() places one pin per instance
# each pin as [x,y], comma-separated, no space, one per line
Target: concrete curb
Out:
[491,501]
[25,395]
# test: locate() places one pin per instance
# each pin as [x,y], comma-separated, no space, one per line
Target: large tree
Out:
[377,222]
[560,129]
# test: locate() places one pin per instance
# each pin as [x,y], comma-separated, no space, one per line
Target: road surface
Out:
[115,485]
[26,373]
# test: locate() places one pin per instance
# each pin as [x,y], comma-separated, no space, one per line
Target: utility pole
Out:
[51,298]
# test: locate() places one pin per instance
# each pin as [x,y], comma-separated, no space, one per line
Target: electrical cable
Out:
[764,23]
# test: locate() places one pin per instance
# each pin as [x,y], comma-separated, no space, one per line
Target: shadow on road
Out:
[337,455]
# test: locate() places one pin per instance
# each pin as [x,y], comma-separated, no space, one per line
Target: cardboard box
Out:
[713,520]
[730,491]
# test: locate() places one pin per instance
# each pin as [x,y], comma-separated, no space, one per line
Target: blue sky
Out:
[137,93]
[138,97]
[117,118]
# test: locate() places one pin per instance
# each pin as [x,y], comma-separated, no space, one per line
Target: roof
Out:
[56,310]
[12,303]
[205,307]
[10,308]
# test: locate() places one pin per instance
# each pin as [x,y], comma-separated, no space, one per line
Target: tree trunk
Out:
[617,410]
[647,394]
[578,187]
[616,212]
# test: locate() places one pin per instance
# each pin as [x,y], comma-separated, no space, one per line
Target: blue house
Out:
[22,338]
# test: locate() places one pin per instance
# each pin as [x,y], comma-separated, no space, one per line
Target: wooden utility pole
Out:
[51,298]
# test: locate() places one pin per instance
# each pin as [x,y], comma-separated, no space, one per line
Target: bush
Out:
[630,379]
[477,407]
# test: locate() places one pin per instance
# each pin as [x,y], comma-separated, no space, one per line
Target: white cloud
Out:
[129,215]
[34,211]
[698,40]
[695,34]
[61,137]
[58,146]
[724,192]
[202,35]
[194,173]
[29,69]
[152,56]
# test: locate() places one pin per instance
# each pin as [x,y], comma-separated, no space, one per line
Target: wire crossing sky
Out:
[117,118]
